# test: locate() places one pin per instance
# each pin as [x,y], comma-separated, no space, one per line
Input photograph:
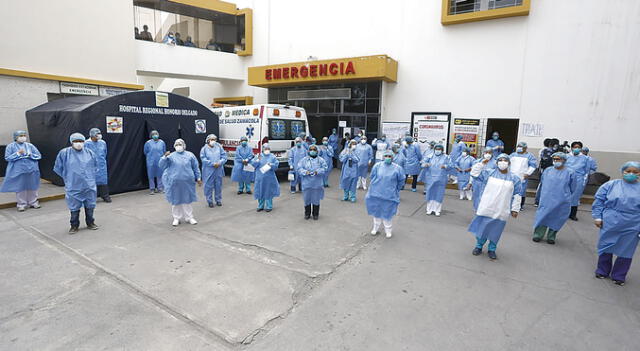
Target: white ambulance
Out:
[277,125]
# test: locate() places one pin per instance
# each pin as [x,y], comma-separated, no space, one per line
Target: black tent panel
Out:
[125,121]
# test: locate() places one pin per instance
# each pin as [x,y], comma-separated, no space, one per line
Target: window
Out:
[462,11]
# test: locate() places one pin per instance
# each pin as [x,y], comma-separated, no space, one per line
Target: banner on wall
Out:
[395,130]
[430,126]
[470,131]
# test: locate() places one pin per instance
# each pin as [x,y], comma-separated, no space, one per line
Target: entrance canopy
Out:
[125,121]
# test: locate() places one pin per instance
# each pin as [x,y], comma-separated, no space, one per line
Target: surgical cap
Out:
[522,144]
[325,139]
[634,164]
[408,139]
[458,137]
[488,149]
[266,146]
[388,153]
[298,139]
[244,138]
[585,149]
[94,131]
[18,133]
[212,136]
[154,132]
[439,146]
[504,156]
[562,155]
[76,136]
[179,142]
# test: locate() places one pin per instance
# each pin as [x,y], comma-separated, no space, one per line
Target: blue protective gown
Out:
[413,157]
[180,172]
[267,186]
[211,176]
[400,160]
[333,142]
[296,154]
[556,188]
[365,155]
[326,152]
[312,184]
[484,227]
[580,165]
[153,150]
[436,176]
[422,176]
[78,170]
[464,177]
[593,165]
[238,174]
[383,196]
[478,186]
[99,148]
[22,172]
[349,171]
[617,203]
[531,161]
[493,143]
[456,151]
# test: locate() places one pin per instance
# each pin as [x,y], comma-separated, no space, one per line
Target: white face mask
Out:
[438,152]
[487,156]
[363,141]
[99,136]
[22,139]
[179,148]
[212,142]
[353,147]
[465,154]
[503,165]
[267,152]
[78,145]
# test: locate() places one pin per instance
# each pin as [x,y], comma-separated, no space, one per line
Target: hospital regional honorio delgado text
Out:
[156,110]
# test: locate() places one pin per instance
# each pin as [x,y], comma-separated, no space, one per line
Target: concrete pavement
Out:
[257,281]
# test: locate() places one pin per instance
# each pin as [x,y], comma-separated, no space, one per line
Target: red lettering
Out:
[267,74]
[277,73]
[285,73]
[350,68]
[313,71]
[333,69]
[341,68]
[304,71]
[294,72]
[323,70]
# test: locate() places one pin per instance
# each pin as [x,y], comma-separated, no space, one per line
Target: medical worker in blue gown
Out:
[436,175]
[213,159]
[266,184]
[456,151]
[399,159]
[240,172]
[500,197]
[326,152]
[154,148]
[616,211]
[428,152]
[476,186]
[557,185]
[581,166]
[334,143]
[496,145]
[311,171]
[383,197]
[349,172]
[366,157]
[463,166]
[523,164]
[180,172]
[296,154]
[413,156]
[23,174]
[77,166]
[99,148]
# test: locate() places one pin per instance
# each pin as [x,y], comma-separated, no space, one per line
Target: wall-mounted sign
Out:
[162,99]
[78,89]
[430,126]
[532,129]
[110,91]
[201,126]
[115,124]
[395,131]
[469,129]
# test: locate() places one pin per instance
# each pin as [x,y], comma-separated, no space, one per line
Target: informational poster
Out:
[115,124]
[201,126]
[469,129]
[430,126]
[162,99]
[342,124]
[79,89]
[396,131]
[532,129]
[346,131]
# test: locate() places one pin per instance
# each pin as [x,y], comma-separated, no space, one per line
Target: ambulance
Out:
[275,124]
